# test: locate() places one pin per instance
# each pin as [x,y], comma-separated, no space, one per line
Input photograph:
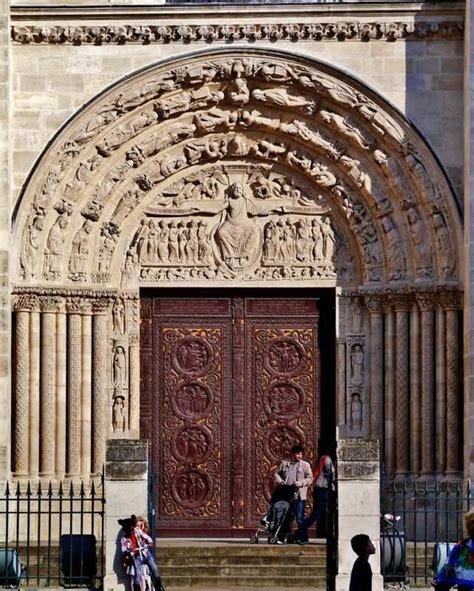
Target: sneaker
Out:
[302,542]
[279,542]
[264,521]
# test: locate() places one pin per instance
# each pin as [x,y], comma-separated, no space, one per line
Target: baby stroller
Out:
[276,524]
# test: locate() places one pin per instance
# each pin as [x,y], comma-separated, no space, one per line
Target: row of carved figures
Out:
[302,241]
[174,242]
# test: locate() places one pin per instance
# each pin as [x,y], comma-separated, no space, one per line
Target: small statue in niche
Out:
[54,246]
[356,413]
[78,263]
[120,367]
[357,364]
[356,314]
[118,415]
[118,316]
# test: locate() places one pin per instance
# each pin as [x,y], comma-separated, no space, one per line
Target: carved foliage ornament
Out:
[339,31]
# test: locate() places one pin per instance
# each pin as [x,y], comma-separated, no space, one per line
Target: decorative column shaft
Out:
[374,306]
[99,386]
[389,392]
[61,347]
[86,392]
[48,388]
[453,419]
[402,404]
[440,391]
[415,385]
[427,304]
[134,387]
[34,386]
[21,400]
[74,350]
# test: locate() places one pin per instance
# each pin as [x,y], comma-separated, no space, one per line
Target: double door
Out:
[229,385]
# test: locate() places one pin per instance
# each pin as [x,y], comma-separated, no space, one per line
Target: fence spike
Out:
[71,489]
[93,489]
[18,490]
[82,493]
[7,489]
[50,489]
[60,491]
[28,489]
[39,488]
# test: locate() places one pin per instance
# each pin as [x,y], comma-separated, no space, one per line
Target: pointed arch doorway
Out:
[230,381]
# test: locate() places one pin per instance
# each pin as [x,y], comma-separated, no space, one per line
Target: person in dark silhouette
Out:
[361,575]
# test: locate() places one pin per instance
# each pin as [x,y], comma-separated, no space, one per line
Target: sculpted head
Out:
[236,190]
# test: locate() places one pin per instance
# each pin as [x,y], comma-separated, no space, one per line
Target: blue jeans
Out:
[299,511]
[320,499]
[154,572]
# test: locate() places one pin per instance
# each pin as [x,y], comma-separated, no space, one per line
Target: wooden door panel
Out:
[229,385]
[282,398]
[192,423]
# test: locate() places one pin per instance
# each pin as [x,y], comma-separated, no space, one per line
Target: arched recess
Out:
[235,167]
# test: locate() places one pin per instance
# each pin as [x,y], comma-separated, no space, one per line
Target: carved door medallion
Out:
[228,386]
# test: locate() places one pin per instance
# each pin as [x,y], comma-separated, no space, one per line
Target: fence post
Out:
[358,490]
[126,473]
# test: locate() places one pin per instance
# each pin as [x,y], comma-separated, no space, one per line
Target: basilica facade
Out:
[228,229]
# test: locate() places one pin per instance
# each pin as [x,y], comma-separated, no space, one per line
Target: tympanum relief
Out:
[139,142]
[236,223]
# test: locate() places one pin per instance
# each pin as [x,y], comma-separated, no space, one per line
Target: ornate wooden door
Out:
[228,386]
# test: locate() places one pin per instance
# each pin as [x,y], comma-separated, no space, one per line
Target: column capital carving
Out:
[402,303]
[79,306]
[101,305]
[451,300]
[374,303]
[52,304]
[25,303]
[427,302]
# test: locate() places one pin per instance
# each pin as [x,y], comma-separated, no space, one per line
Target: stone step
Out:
[234,571]
[275,560]
[241,550]
[257,582]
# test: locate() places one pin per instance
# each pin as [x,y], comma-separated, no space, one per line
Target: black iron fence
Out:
[52,535]
[419,523]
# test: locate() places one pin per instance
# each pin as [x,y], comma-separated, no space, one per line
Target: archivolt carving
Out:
[242,166]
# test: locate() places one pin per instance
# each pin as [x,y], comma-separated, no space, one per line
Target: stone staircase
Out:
[236,564]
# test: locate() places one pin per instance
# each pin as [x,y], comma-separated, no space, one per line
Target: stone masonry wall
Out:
[4,235]
[422,76]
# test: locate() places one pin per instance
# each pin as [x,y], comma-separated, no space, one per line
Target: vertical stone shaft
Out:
[99,406]
[402,414]
[342,403]
[21,404]
[134,388]
[48,394]
[389,392]
[86,393]
[61,393]
[426,304]
[74,350]
[440,391]
[415,402]
[453,419]
[34,401]
[374,305]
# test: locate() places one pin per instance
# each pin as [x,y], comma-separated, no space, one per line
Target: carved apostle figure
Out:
[356,413]
[118,415]
[80,249]
[118,316]
[357,364]
[30,246]
[54,245]
[120,367]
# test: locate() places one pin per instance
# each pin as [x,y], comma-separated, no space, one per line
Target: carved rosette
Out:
[241,166]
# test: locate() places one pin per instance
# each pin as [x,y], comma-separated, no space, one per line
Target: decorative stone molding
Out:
[146,34]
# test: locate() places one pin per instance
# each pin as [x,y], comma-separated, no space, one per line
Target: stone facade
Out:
[314,147]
